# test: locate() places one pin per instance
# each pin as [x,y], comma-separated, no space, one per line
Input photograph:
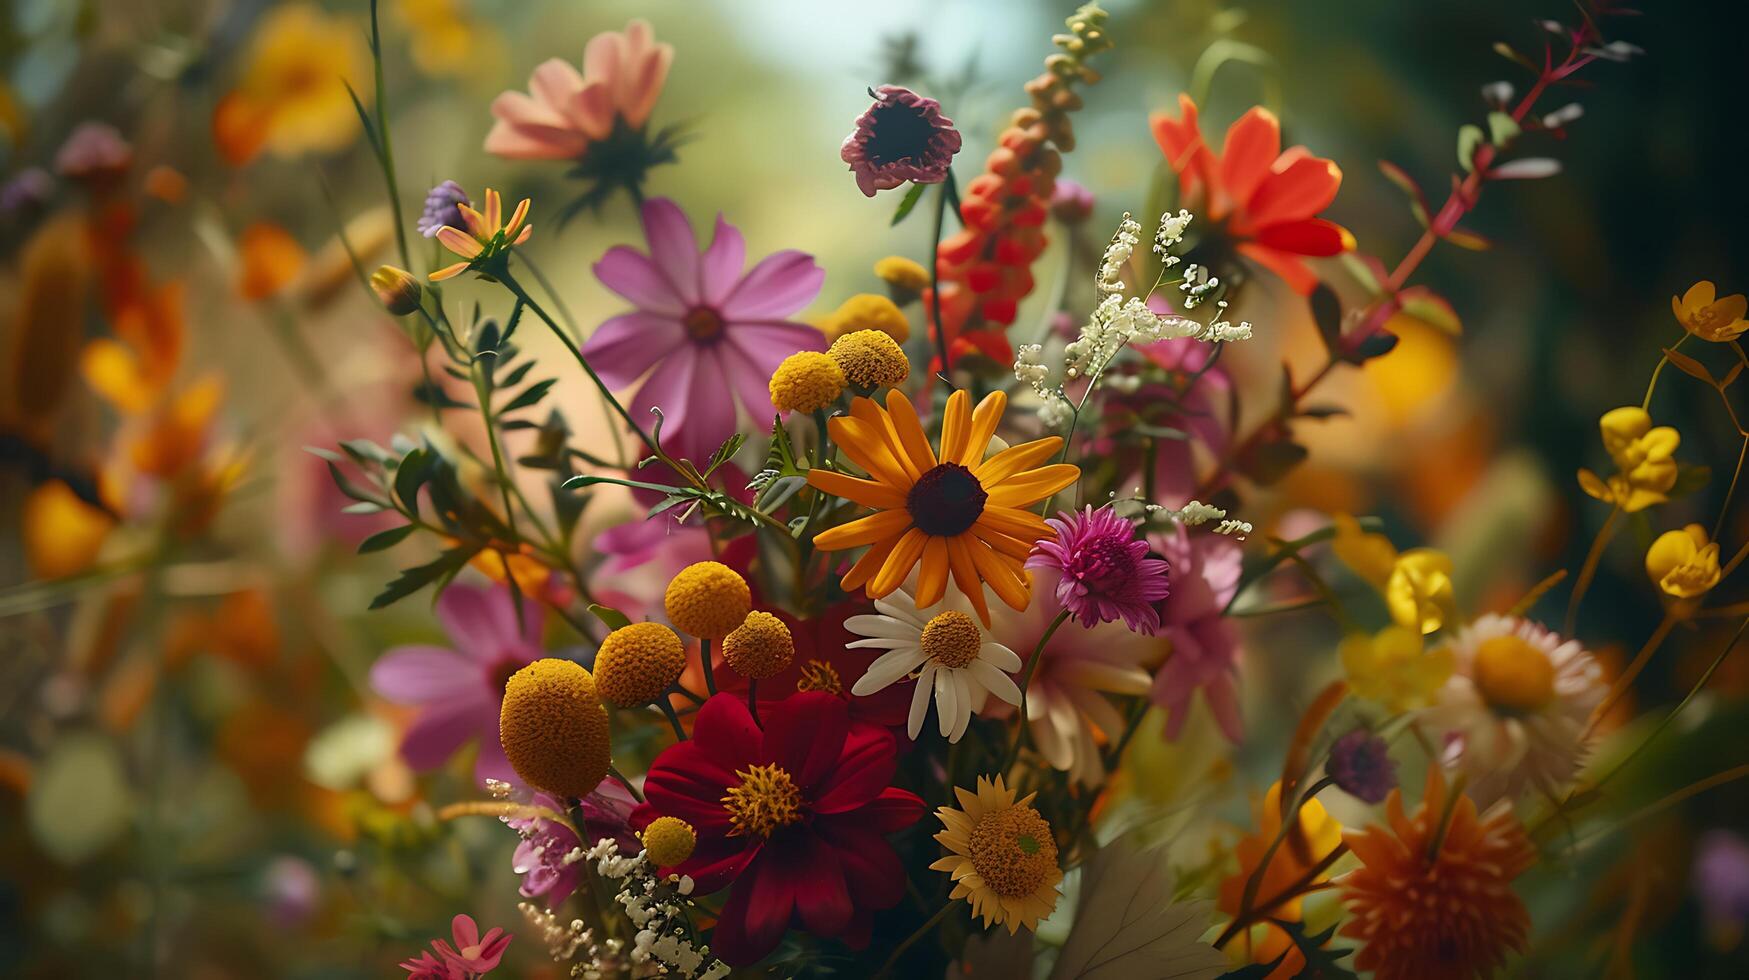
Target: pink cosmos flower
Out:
[1205,645]
[1106,574]
[713,333]
[565,110]
[460,691]
[475,955]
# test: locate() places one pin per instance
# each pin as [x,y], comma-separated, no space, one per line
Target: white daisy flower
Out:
[946,649]
[1515,710]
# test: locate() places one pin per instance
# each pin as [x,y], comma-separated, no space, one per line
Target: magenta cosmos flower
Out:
[475,955]
[1106,572]
[460,691]
[542,859]
[903,136]
[713,332]
[565,110]
[1205,644]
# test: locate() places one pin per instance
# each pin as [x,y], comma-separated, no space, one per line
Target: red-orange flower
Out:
[1434,908]
[1268,198]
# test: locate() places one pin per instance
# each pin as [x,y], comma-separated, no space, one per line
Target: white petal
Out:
[996,682]
[899,605]
[946,703]
[920,700]
[883,643]
[866,625]
[999,656]
[962,706]
[886,669]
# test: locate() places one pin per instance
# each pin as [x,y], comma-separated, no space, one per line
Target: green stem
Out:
[1588,571]
[704,658]
[935,276]
[387,158]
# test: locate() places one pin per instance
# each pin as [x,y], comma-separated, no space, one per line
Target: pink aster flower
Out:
[1106,574]
[1205,644]
[902,137]
[460,691]
[713,332]
[565,110]
[543,858]
[475,955]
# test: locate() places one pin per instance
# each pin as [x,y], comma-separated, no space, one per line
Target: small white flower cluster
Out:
[655,909]
[1241,529]
[1117,255]
[1169,236]
[1118,321]
[563,940]
[1222,331]
[1198,285]
[1029,368]
[1196,512]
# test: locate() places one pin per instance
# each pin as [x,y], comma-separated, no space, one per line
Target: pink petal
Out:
[592,109]
[673,249]
[623,348]
[513,142]
[766,343]
[698,412]
[782,283]
[553,83]
[464,930]
[632,275]
[442,728]
[604,56]
[723,262]
[643,86]
[422,674]
[492,763]
[750,382]
[481,621]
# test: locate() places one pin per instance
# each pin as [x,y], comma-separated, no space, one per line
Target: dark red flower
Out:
[822,663]
[794,815]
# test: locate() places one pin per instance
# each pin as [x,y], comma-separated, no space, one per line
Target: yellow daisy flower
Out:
[1003,856]
[947,510]
[488,237]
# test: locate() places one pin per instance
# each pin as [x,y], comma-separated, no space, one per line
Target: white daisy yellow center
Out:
[1514,675]
[1013,851]
[952,639]
[765,799]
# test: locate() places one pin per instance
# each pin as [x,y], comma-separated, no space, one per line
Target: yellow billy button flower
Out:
[486,243]
[760,647]
[870,359]
[1644,458]
[1002,855]
[807,381]
[1416,584]
[1684,564]
[637,663]
[905,279]
[668,841]
[1394,669]
[868,311]
[707,599]
[1710,317]
[554,729]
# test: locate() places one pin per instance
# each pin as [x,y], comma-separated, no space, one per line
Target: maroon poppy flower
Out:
[794,814]
[903,136]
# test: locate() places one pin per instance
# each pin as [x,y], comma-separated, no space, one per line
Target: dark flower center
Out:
[946,501]
[898,132]
[500,673]
[1103,564]
[703,323]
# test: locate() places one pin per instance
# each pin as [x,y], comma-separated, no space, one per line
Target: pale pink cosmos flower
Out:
[460,691]
[1205,645]
[475,955]
[713,330]
[565,110]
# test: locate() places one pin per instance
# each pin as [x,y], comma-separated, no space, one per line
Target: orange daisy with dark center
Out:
[948,509]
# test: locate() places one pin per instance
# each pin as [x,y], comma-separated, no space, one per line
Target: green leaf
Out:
[1417,200]
[347,487]
[908,203]
[383,540]
[530,395]
[415,468]
[413,579]
[612,617]
[515,377]
[1321,961]
[1327,313]
[1502,129]
[1429,307]
[1469,138]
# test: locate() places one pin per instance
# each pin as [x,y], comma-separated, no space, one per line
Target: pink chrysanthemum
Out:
[1106,572]
[902,137]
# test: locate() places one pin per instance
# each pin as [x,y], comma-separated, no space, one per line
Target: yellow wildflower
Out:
[1416,584]
[1644,457]
[867,311]
[1684,564]
[291,98]
[1394,669]
[1702,313]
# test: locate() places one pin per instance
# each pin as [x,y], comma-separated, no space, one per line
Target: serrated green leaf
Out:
[411,580]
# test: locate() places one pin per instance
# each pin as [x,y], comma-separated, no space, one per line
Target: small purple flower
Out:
[1361,766]
[1721,880]
[30,188]
[903,136]
[1071,203]
[94,149]
[441,208]
[1107,574]
[291,890]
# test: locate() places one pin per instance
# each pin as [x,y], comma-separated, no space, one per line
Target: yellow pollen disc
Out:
[952,639]
[1013,851]
[1514,675]
[668,841]
[760,647]
[870,359]
[637,663]
[707,599]
[818,675]
[806,381]
[765,799]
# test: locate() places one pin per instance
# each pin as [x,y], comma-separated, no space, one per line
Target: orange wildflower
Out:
[1269,198]
[291,98]
[1435,907]
[271,259]
[1301,850]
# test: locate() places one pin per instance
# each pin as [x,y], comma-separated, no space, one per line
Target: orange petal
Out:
[459,242]
[865,492]
[1033,486]
[1289,268]
[62,533]
[867,447]
[1002,574]
[910,431]
[955,425]
[271,259]
[516,218]
[932,572]
[965,574]
[1251,146]
[1301,191]
[1016,523]
[870,414]
[985,419]
[870,563]
[864,530]
[448,272]
[1016,458]
[898,564]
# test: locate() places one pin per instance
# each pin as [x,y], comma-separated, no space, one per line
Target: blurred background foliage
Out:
[197,780]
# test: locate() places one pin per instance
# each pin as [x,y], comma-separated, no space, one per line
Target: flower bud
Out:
[396,288]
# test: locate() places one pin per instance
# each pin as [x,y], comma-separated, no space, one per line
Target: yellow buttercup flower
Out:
[1683,563]
[1394,668]
[1002,855]
[1710,317]
[1644,457]
[1416,584]
[905,278]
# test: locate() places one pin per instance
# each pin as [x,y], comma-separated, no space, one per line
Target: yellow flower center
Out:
[952,639]
[870,359]
[818,675]
[1703,318]
[703,323]
[668,841]
[1514,675]
[764,800]
[760,647]
[806,381]
[1013,851]
[707,599]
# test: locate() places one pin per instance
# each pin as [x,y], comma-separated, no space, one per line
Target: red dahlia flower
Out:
[794,814]
[1268,198]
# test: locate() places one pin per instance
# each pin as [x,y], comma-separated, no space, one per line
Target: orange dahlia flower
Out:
[1268,198]
[947,510]
[1433,908]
